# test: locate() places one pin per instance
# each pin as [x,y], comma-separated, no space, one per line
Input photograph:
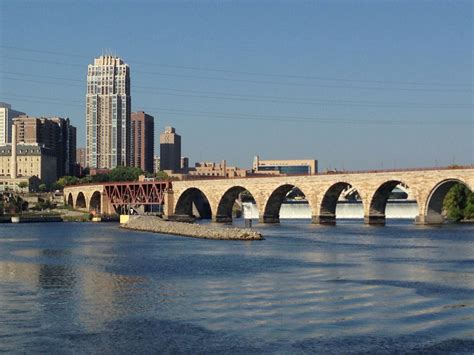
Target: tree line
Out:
[120,173]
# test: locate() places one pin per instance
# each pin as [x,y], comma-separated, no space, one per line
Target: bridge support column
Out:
[375,220]
[221,219]
[429,219]
[106,207]
[269,219]
[327,219]
[168,208]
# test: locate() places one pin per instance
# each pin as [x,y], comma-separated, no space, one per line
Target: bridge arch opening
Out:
[402,203]
[349,207]
[439,197]
[295,202]
[236,202]
[193,203]
[80,201]
[70,200]
[94,204]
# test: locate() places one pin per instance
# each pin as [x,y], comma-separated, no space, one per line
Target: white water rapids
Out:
[401,210]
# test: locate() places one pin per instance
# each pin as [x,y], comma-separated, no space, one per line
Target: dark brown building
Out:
[80,161]
[56,133]
[143,138]
[170,150]
[27,129]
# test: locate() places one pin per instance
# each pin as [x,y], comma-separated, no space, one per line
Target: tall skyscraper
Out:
[143,137]
[108,105]
[170,150]
[6,117]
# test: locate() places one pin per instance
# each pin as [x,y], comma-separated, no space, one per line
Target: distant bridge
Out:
[214,198]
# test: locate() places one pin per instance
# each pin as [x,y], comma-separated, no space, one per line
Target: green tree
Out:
[469,209]
[55,186]
[459,203]
[42,188]
[125,173]
[67,181]
[161,175]
[43,204]
[16,205]
[85,180]
[100,178]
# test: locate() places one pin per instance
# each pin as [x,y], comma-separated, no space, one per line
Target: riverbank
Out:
[157,225]
[70,216]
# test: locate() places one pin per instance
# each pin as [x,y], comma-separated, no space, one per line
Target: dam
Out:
[399,209]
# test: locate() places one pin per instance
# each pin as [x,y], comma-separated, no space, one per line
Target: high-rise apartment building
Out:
[81,157]
[55,133]
[65,146]
[108,105]
[143,137]
[6,120]
[170,150]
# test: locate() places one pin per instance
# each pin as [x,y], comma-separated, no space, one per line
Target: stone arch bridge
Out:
[214,198]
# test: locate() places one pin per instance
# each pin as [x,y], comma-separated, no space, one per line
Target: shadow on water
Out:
[148,335]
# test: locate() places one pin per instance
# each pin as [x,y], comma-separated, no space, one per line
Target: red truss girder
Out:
[137,193]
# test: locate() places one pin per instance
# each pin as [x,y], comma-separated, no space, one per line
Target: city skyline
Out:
[383,109]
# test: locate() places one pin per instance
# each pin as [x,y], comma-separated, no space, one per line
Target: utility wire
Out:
[241,97]
[185,76]
[219,70]
[255,117]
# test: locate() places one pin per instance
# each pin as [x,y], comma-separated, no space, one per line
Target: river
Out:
[94,288]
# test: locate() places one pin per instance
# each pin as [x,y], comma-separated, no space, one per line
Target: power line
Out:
[185,76]
[261,117]
[219,70]
[251,98]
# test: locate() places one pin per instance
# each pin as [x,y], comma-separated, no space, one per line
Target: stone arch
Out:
[70,200]
[226,204]
[434,203]
[95,202]
[327,207]
[193,199]
[81,201]
[273,204]
[378,202]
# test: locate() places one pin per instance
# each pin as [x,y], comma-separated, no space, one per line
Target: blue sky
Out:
[354,84]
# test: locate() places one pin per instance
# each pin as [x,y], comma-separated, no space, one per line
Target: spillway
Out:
[344,210]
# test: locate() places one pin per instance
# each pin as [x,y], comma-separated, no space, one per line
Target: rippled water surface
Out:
[72,288]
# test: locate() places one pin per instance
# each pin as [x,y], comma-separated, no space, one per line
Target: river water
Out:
[93,288]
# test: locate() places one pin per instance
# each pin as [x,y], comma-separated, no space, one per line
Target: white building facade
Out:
[108,105]
[6,120]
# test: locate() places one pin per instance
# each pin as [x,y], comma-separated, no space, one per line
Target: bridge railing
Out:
[329,172]
[260,176]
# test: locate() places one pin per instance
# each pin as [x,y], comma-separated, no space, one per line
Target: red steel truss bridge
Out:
[133,193]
